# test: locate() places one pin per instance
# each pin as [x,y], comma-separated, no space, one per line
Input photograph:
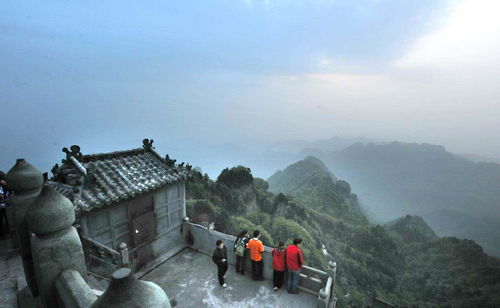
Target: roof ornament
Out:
[75,152]
[170,162]
[55,173]
[148,144]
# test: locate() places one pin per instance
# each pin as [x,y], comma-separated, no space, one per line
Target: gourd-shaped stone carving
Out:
[56,245]
[127,291]
[26,182]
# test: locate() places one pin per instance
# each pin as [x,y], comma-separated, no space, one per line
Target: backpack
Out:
[240,247]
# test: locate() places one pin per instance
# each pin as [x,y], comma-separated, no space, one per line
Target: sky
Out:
[106,74]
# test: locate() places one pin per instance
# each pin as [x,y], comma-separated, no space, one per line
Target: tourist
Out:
[279,265]
[256,250]
[220,258]
[294,263]
[4,194]
[240,245]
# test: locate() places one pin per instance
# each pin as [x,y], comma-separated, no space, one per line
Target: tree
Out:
[235,177]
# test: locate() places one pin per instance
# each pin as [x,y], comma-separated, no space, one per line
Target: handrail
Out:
[315,271]
[100,245]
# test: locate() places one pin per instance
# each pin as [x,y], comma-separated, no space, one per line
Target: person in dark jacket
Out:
[240,251]
[294,263]
[220,259]
[279,265]
[4,195]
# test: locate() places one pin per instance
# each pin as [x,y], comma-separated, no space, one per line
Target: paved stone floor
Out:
[8,283]
[191,279]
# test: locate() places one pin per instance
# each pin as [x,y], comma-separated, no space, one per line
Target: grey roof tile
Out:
[112,177]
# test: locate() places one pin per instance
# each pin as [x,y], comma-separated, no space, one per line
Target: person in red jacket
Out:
[279,265]
[294,263]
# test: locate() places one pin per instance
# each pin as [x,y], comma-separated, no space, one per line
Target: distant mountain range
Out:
[404,261]
[456,196]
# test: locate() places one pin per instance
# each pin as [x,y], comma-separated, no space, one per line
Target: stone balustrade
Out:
[73,291]
[101,260]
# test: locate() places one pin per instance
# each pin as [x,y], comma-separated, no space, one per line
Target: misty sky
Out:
[105,74]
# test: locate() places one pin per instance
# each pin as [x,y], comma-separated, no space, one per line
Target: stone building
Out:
[134,197]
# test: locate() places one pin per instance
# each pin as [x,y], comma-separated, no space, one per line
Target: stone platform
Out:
[190,278]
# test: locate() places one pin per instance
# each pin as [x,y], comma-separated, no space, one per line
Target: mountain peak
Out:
[412,229]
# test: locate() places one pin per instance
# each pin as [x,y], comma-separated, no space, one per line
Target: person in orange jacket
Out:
[256,249]
[294,263]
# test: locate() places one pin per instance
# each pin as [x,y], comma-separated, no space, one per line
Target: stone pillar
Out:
[186,231]
[26,182]
[56,246]
[123,250]
[332,272]
[126,291]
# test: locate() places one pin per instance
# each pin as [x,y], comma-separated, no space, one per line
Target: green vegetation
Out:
[403,262]
[235,177]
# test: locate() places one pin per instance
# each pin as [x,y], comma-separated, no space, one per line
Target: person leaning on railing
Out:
[294,263]
[279,265]
[256,249]
[240,250]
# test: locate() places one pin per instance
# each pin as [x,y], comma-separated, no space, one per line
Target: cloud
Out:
[469,37]
[325,63]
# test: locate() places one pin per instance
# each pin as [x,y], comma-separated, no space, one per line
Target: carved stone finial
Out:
[148,144]
[23,177]
[56,246]
[50,212]
[26,181]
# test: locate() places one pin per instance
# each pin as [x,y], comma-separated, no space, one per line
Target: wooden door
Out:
[143,228]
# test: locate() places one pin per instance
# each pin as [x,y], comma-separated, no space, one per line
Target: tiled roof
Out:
[102,179]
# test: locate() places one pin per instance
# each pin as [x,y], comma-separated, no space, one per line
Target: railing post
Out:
[332,272]
[123,250]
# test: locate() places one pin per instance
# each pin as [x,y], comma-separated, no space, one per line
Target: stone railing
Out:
[313,281]
[73,291]
[99,258]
